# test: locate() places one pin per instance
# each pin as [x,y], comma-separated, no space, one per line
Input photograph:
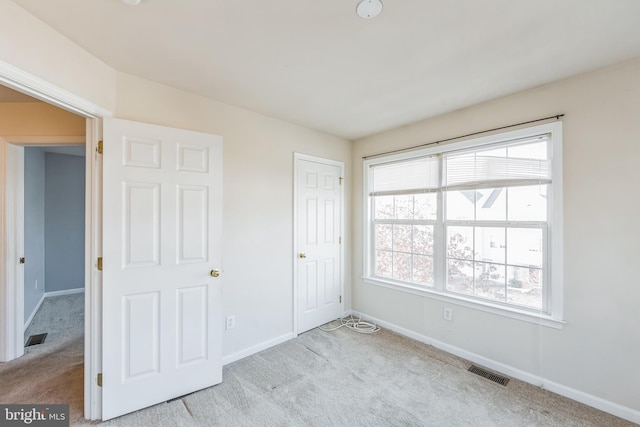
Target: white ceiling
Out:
[316,63]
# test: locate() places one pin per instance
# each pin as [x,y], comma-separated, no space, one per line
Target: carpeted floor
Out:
[338,378]
[51,372]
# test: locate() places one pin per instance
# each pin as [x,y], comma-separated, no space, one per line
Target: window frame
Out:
[552,261]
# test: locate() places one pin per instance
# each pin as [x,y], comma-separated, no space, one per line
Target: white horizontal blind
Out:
[405,177]
[486,236]
[503,165]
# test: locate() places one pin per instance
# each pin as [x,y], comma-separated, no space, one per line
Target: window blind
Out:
[504,165]
[405,177]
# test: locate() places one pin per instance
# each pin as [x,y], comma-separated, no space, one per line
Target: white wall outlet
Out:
[36,284]
[447,313]
[231,322]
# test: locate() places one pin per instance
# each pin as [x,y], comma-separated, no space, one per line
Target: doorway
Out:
[54,235]
[52,280]
[99,345]
[318,239]
[43,96]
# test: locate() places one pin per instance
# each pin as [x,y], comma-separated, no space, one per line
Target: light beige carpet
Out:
[320,379]
[51,372]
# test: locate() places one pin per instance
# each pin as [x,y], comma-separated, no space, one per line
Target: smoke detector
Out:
[368,9]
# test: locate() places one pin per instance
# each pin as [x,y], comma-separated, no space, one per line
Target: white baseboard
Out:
[593,401]
[33,313]
[64,292]
[257,348]
[563,390]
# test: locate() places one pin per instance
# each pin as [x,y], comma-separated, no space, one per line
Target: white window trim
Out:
[555,318]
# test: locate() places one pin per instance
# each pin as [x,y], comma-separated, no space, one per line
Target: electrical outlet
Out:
[447,313]
[36,284]
[231,322]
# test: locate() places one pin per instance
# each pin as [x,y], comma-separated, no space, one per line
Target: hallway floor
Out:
[50,372]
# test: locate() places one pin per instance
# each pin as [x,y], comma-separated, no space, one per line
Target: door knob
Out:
[215,273]
[302,255]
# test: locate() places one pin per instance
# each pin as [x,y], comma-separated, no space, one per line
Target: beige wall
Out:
[258,199]
[598,349]
[30,45]
[258,167]
[27,119]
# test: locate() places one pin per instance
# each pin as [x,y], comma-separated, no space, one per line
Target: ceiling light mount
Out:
[368,9]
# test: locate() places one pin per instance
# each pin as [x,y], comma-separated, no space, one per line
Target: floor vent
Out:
[36,339]
[489,375]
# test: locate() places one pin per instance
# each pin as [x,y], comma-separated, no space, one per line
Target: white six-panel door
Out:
[162,226]
[319,277]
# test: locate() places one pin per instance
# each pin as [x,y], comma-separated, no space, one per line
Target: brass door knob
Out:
[215,273]
[302,255]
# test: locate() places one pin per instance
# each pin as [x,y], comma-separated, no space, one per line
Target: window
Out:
[478,221]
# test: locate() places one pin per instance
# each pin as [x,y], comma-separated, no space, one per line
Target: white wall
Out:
[598,349]
[258,200]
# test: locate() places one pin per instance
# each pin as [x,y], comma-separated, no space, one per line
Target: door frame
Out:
[10,326]
[297,157]
[12,297]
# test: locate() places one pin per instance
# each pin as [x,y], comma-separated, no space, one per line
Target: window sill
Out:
[513,313]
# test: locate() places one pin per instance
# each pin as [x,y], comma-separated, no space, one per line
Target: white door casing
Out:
[162,309]
[93,277]
[36,87]
[318,261]
[12,237]
[17,167]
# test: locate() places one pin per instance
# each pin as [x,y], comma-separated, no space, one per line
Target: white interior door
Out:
[162,226]
[319,260]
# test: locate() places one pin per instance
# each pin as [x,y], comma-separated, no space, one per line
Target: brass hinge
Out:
[340,240]
[340,299]
[99,147]
[22,260]
[100,264]
[99,380]
[340,179]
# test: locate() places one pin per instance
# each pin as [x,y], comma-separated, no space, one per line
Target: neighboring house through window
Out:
[478,222]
